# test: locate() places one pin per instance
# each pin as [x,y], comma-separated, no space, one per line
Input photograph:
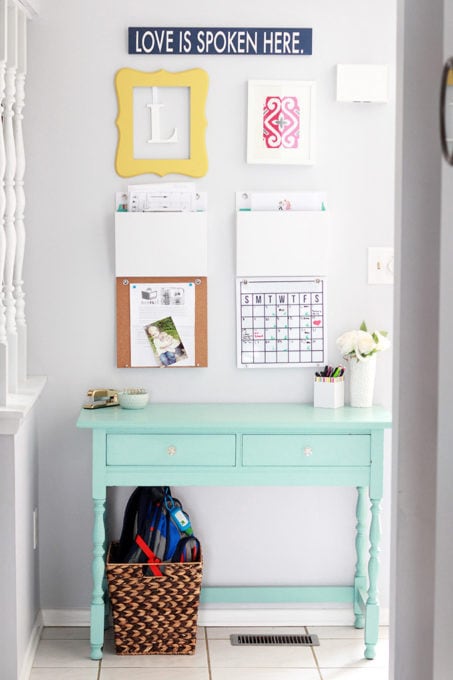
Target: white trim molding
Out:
[20,404]
[31,7]
[32,647]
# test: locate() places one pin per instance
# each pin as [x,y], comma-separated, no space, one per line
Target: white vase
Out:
[361,381]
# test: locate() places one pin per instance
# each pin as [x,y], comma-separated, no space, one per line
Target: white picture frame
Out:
[281,122]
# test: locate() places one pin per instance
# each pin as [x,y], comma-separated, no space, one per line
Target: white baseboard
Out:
[31,648]
[66,617]
[233,617]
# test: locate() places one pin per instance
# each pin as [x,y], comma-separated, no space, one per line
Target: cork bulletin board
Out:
[161,322]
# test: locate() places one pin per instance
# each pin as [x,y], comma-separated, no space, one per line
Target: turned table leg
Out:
[360,579]
[97,601]
[372,605]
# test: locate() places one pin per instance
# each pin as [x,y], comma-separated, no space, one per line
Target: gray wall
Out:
[443,631]
[422,589]
[75,49]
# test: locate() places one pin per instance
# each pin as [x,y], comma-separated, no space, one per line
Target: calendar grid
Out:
[281,321]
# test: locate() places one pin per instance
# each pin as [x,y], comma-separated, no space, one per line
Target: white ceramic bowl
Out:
[133,397]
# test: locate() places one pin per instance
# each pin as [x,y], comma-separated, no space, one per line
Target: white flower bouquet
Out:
[361,344]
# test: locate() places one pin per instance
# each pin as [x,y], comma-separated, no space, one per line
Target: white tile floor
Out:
[63,654]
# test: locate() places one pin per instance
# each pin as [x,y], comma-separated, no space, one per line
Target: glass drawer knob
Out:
[308,450]
[171,450]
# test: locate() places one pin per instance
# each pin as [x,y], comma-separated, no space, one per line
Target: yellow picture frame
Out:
[197,80]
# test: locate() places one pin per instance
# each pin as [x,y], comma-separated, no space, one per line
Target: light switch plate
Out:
[381,266]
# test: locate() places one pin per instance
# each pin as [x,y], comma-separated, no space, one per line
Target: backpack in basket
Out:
[156,529]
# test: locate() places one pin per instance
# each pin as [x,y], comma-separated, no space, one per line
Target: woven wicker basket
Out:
[151,614]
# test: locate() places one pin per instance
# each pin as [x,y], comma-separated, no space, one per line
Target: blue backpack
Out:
[156,529]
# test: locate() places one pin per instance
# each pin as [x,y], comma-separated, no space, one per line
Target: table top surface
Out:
[232,417]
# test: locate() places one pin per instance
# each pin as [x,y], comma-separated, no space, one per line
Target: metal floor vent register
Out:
[266,640]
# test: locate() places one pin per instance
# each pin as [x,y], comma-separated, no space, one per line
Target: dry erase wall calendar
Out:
[281,321]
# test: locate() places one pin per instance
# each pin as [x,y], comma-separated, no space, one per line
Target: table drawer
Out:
[169,449]
[306,450]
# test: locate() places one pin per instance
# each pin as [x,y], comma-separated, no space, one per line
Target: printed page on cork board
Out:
[162,322]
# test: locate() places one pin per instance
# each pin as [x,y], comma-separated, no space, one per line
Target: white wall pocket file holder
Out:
[281,266]
[161,244]
[281,243]
[161,289]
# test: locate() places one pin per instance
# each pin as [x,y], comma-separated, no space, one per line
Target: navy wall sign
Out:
[269,41]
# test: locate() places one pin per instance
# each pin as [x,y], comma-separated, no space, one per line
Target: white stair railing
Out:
[10,212]
[19,294]
[3,339]
[13,328]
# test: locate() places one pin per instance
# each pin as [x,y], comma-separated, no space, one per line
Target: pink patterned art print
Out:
[281,123]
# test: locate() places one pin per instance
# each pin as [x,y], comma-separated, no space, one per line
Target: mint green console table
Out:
[245,445]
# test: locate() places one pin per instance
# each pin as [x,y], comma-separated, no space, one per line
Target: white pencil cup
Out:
[329,392]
